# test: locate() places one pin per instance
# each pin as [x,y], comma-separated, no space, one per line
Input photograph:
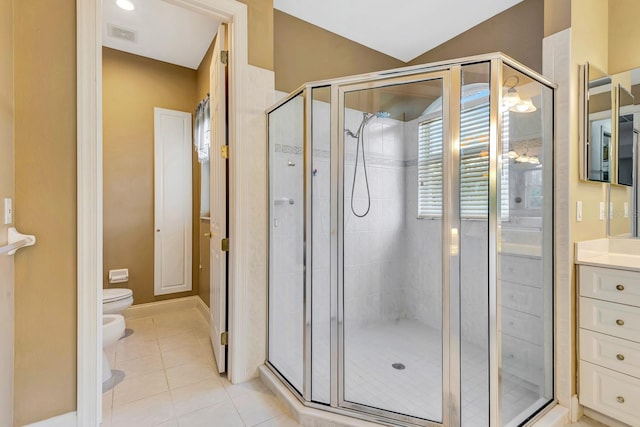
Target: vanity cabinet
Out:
[522,327]
[609,335]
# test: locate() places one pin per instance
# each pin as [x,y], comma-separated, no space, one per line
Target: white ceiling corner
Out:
[403,29]
[164,31]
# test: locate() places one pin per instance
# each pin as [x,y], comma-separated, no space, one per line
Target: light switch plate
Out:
[579,210]
[626,209]
[8,211]
[601,211]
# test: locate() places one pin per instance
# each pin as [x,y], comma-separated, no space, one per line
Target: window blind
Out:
[474,165]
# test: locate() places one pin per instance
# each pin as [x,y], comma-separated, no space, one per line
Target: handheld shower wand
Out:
[359,136]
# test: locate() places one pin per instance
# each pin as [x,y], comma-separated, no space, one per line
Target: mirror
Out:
[624,144]
[623,192]
[595,125]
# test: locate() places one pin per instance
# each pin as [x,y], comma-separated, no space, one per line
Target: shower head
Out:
[366,118]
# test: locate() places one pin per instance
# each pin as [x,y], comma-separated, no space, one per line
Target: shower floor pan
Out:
[371,379]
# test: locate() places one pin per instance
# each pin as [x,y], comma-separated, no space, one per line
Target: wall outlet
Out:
[602,211]
[579,211]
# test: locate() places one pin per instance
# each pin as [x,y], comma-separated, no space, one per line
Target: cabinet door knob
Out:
[619,322]
[620,287]
[620,356]
[620,399]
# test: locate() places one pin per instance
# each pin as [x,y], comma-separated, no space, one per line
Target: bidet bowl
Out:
[112,328]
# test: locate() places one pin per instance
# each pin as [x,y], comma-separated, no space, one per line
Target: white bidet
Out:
[112,329]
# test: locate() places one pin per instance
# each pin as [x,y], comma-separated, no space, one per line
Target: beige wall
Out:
[132,87]
[557,16]
[517,31]
[202,74]
[624,35]
[305,53]
[6,190]
[45,205]
[589,28]
[260,32]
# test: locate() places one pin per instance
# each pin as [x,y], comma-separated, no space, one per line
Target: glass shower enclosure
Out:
[411,244]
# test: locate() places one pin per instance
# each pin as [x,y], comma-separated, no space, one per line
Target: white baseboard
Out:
[204,310]
[66,420]
[159,307]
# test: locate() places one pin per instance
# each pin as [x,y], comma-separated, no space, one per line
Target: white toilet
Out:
[116,300]
[112,330]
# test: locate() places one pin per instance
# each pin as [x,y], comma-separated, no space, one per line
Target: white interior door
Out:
[218,198]
[173,232]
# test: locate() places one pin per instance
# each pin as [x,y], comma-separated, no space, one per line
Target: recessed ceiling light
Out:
[125,4]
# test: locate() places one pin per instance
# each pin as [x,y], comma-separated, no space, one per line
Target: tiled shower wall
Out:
[392,260]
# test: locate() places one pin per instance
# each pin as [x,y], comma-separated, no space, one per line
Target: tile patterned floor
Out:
[165,376]
[371,380]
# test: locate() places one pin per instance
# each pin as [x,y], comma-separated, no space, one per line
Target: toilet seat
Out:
[116,294]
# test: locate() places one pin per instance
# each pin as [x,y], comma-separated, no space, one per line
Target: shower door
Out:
[393,281]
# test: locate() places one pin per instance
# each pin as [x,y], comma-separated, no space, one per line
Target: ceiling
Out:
[403,29]
[162,30]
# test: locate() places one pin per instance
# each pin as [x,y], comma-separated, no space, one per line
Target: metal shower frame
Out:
[451,74]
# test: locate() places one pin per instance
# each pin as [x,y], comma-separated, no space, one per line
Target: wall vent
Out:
[122,33]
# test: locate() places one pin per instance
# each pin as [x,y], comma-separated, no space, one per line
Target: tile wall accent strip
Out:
[372,159]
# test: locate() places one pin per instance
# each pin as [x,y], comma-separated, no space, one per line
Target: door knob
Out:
[207,235]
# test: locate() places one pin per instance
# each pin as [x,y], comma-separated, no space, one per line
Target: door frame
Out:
[90,196]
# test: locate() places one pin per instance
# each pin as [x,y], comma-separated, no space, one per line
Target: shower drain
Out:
[399,366]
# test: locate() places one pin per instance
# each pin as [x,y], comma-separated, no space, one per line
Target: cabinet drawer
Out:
[523,326]
[522,359]
[610,285]
[610,352]
[619,320]
[610,392]
[522,298]
[522,270]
